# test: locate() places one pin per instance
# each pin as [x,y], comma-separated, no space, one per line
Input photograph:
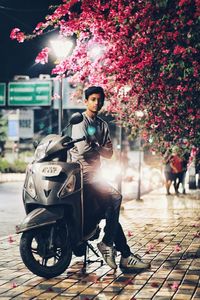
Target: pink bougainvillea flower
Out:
[42,57]
[183,2]
[10,239]
[174,286]
[130,233]
[14,285]
[39,26]
[150,247]
[16,34]
[165,51]
[190,22]
[60,68]
[154,284]
[179,50]
[196,225]
[177,248]
[196,235]
[156,56]
[13,33]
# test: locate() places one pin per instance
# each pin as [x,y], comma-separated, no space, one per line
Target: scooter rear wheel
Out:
[46,251]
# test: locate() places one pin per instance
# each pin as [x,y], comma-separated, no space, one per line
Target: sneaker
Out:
[133,262]
[108,254]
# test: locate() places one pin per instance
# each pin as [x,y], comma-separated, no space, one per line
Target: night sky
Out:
[19,58]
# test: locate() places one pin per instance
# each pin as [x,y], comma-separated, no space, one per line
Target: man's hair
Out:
[95,90]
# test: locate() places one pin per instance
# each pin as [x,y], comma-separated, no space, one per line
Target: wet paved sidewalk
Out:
[164,230]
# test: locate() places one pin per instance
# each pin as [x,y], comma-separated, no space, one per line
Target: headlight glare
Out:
[41,151]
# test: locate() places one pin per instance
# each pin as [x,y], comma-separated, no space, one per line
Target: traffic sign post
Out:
[31,93]
[2,94]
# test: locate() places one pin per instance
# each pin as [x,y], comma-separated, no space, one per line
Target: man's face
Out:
[94,103]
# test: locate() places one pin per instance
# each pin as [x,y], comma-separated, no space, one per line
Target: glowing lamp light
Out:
[61,47]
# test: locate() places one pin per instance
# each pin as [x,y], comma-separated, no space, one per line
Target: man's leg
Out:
[176,183]
[128,261]
[112,216]
[121,242]
[167,182]
[111,201]
[183,182]
[114,233]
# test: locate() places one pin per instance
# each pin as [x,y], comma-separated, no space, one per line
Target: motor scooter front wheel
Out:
[46,251]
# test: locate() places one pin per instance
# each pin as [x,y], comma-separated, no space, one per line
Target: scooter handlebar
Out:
[72,142]
[79,140]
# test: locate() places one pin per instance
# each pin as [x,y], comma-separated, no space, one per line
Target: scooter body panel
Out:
[48,188]
[40,217]
[63,190]
[53,194]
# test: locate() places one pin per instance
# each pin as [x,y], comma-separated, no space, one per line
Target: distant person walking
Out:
[167,170]
[185,159]
[176,163]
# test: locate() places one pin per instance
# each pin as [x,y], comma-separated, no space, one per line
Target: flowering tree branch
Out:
[150,46]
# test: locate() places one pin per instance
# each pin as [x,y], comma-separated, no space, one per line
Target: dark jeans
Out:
[107,201]
[178,178]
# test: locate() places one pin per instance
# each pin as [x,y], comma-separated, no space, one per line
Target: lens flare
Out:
[91,130]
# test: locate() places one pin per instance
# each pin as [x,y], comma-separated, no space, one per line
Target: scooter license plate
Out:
[50,170]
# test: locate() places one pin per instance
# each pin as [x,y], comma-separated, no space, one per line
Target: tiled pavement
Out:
[163,230]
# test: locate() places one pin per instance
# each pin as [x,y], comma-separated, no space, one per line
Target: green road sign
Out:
[31,93]
[2,94]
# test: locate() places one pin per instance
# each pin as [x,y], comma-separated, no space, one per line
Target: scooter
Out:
[55,226]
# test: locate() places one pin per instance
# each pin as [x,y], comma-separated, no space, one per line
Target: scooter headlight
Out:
[69,187]
[41,151]
[30,187]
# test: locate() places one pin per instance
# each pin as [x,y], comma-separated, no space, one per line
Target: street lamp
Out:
[139,114]
[119,148]
[123,91]
[61,48]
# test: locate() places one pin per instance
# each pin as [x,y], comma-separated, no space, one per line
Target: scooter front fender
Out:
[40,217]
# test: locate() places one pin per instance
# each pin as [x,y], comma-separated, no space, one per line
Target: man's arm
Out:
[84,147]
[106,149]
[91,146]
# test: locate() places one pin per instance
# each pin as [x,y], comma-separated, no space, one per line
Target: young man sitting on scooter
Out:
[88,153]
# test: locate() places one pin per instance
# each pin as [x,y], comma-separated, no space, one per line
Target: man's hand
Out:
[94,145]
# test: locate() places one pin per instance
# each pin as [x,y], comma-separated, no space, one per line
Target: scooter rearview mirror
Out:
[75,118]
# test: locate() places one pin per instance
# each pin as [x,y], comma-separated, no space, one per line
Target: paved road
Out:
[11,207]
